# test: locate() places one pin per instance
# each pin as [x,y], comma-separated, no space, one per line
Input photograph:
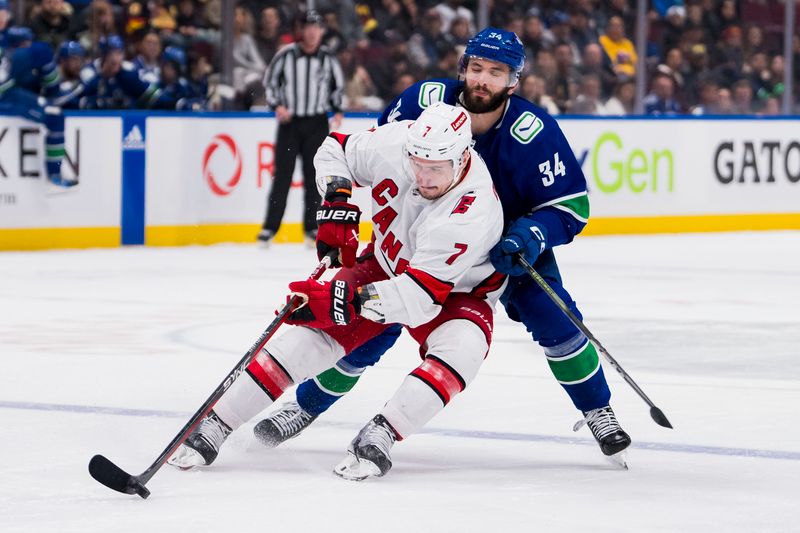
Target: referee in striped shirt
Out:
[303,83]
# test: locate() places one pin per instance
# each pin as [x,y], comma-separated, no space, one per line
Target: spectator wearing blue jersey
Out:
[28,79]
[661,99]
[545,203]
[5,17]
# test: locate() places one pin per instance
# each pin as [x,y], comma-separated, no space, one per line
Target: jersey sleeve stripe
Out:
[576,205]
[435,288]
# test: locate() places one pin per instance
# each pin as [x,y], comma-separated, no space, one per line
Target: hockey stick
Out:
[113,477]
[655,413]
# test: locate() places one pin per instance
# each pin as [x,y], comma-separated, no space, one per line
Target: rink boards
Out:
[175,179]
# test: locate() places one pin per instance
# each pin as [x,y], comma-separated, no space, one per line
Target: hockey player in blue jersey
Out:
[28,82]
[110,82]
[173,83]
[543,192]
[71,56]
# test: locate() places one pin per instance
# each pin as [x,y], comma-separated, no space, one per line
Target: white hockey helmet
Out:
[441,133]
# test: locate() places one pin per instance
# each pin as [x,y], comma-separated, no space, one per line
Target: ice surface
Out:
[110,351]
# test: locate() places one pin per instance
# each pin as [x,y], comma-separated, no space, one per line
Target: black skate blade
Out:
[115,478]
[659,417]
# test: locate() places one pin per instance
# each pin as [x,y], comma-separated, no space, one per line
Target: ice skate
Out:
[202,446]
[368,454]
[607,432]
[264,238]
[289,421]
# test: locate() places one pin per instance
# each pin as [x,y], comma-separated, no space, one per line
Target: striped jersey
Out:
[306,84]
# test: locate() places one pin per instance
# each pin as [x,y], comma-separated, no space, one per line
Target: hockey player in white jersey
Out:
[436,216]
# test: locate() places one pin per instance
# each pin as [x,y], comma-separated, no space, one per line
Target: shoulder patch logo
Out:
[430,92]
[526,127]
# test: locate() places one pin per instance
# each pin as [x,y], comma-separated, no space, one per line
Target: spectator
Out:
[333,39]
[725,101]
[561,31]
[535,37]
[587,101]
[359,90]
[446,65]
[101,24]
[676,67]
[742,97]
[394,16]
[148,62]
[546,68]
[619,48]
[425,43]
[248,65]
[661,99]
[301,105]
[566,78]
[532,88]
[709,103]
[754,41]
[450,9]
[459,32]
[581,32]
[730,56]
[188,20]
[772,107]
[52,24]
[594,61]
[161,16]
[623,99]
[403,82]
[270,37]
[673,27]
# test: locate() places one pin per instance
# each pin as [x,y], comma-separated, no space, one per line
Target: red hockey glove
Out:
[337,224]
[328,303]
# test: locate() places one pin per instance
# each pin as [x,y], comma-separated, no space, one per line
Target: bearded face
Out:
[487,85]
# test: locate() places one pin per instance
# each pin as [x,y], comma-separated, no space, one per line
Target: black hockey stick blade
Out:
[113,477]
[659,417]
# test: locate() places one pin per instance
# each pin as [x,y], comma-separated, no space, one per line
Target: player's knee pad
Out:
[455,351]
[263,381]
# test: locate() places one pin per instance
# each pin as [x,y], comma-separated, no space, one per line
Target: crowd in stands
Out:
[702,56]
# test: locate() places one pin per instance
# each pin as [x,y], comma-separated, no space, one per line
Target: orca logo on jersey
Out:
[221,187]
[339,312]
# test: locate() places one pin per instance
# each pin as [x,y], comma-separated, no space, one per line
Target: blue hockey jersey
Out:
[535,171]
[124,90]
[31,68]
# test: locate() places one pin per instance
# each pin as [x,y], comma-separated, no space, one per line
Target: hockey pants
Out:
[572,358]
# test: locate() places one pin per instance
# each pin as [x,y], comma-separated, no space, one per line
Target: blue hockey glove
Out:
[524,237]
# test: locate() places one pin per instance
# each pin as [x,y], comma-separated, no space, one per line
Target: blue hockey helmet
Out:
[4,5]
[70,49]
[174,54]
[110,43]
[16,35]
[496,45]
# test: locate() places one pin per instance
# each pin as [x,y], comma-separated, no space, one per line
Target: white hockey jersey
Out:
[428,248]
